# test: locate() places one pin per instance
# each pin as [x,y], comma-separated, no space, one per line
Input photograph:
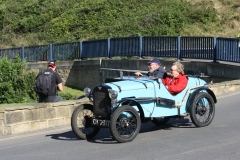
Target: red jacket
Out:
[175,85]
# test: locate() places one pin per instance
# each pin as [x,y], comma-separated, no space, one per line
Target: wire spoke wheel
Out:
[202,110]
[125,124]
[81,124]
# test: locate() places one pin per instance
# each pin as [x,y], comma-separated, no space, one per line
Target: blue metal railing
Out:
[65,51]
[210,48]
[197,47]
[129,46]
[36,53]
[12,52]
[160,46]
[228,49]
[98,48]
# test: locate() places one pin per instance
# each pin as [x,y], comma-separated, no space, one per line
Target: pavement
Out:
[228,94]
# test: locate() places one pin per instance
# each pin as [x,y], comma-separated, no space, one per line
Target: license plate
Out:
[100,122]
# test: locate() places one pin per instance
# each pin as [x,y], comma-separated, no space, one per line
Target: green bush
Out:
[16,85]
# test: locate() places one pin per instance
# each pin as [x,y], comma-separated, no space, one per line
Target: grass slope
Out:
[35,22]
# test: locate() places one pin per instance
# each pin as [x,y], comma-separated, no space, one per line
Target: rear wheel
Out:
[202,110]
[160,120]
[125,124]
[81,124]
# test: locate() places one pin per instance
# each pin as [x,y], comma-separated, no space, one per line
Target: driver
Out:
[155,69]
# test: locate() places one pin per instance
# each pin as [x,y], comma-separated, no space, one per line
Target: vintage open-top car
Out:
[122,104]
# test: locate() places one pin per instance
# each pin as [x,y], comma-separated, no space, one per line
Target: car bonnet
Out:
[131,85]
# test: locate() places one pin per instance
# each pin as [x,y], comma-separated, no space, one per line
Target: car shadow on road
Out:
[172,123]
[105,137]
[67,136]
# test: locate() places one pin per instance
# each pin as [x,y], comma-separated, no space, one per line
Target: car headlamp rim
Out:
[113,94]
[86,91]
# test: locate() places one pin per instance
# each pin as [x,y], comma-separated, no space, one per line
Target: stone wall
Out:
[24,118]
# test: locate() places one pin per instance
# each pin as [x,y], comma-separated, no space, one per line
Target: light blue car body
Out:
[145,91]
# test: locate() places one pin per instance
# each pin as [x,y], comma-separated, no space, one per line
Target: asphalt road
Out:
[178,139]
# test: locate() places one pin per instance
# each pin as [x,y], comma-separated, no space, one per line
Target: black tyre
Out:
[160,120]
[125,124]
[202,109]
[80,122]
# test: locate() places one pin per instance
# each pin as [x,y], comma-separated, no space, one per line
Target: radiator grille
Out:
[101,102]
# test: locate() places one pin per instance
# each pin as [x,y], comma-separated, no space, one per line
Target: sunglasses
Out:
[52,63]
[172,70]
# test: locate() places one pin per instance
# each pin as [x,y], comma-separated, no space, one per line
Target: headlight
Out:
[113,94]
[86,91]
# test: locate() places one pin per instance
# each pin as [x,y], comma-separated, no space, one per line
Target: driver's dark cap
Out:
[52,64]
[154,60]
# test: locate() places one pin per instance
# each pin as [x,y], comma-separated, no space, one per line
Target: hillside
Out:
[35,22]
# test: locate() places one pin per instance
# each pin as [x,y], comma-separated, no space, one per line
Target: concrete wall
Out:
[213,71]
[81,74]
[78,74]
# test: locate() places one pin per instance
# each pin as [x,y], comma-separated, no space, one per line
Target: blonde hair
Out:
[180,67]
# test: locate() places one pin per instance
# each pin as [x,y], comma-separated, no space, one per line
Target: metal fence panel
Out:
[160,46]
[197,47]
[129,46]
[65,51]
[228,49]
[11,52]
[211,48]
[96,48]
[36,53]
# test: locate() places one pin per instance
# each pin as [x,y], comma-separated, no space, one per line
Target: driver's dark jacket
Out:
[159,73]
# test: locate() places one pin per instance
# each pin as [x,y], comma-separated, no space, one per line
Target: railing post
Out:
[50,52]
[140,47]
[179,48]
[80,50]
[22,53]
[108,45]
[214,49]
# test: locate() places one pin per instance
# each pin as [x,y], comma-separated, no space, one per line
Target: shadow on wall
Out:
[82,74]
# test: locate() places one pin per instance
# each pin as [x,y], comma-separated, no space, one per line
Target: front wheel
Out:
[202,109]
[125,124]
[80,122]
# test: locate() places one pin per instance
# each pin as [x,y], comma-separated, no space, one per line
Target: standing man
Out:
[48,83]
[155,69]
